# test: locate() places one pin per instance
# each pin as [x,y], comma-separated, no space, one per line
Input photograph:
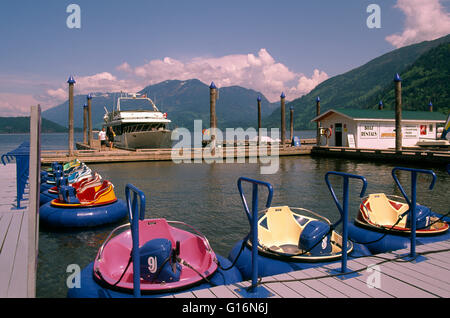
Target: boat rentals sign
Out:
[368,130]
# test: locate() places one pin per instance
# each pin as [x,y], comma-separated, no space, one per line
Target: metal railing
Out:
[22,157]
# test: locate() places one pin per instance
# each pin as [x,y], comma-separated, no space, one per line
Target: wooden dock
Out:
[410,155]
[13,236]
[121,155]
[94,155]
[19,223]
[391,278]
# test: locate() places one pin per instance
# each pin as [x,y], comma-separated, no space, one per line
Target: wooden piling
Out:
[398,113]
[318,123]
[71,82]
[90,137]
[85,138]
[259,119]
[283,119]
[33,208]
[292,123]
[212,114]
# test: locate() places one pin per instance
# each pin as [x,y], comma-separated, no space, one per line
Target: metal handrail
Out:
[343,209]
[412,203]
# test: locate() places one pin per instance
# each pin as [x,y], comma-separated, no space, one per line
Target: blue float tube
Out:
[90,288]
[44,178]
[45,197]
[315,240]
[148,278]
[268,266]
[45,186]
[388,242]
[82,216]
[381,241]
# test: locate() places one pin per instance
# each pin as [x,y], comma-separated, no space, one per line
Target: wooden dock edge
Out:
[424,157]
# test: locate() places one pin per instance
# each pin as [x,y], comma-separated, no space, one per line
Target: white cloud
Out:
[426,20]
[124,67]
[12,105]
[101,82]
[259,72]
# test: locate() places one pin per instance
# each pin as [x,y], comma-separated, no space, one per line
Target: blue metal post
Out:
[254,236]
[135,213]
[254,291]
[412,203]
[413,213]
[344,210]
[345,227]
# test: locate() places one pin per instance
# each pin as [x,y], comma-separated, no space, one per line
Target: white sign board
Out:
[351,141]
[368,131]
[387,131]
[410,131]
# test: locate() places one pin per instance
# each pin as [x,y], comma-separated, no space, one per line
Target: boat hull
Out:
[383,242]
[45,197]
[58,217]
[144,139]
[269,266]
[90,288]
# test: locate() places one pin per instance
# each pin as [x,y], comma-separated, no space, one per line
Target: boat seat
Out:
[93,192]
[383,211]
[93,181]
[279,228]
[105,187]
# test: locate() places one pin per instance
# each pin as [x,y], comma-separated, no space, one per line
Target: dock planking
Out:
[424,156]
[13,237]
[397,279]
[189,154]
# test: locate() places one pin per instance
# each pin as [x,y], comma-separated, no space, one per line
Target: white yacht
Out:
[138,123]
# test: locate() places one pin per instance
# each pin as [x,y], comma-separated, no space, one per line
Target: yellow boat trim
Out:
[105,197]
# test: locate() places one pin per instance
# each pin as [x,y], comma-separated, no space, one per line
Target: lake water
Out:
[206,197]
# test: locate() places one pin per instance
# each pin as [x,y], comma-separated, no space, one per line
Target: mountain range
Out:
[183,101]
[14,125]
[423,67]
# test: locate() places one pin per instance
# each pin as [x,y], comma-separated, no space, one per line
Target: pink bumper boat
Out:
[182,259]
[153,257]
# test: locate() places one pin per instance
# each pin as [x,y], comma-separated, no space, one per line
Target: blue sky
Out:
[293,44]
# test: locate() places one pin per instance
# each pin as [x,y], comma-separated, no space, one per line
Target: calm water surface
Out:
[206,197]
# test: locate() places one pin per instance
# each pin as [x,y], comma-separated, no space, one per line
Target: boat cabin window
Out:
[142,127]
